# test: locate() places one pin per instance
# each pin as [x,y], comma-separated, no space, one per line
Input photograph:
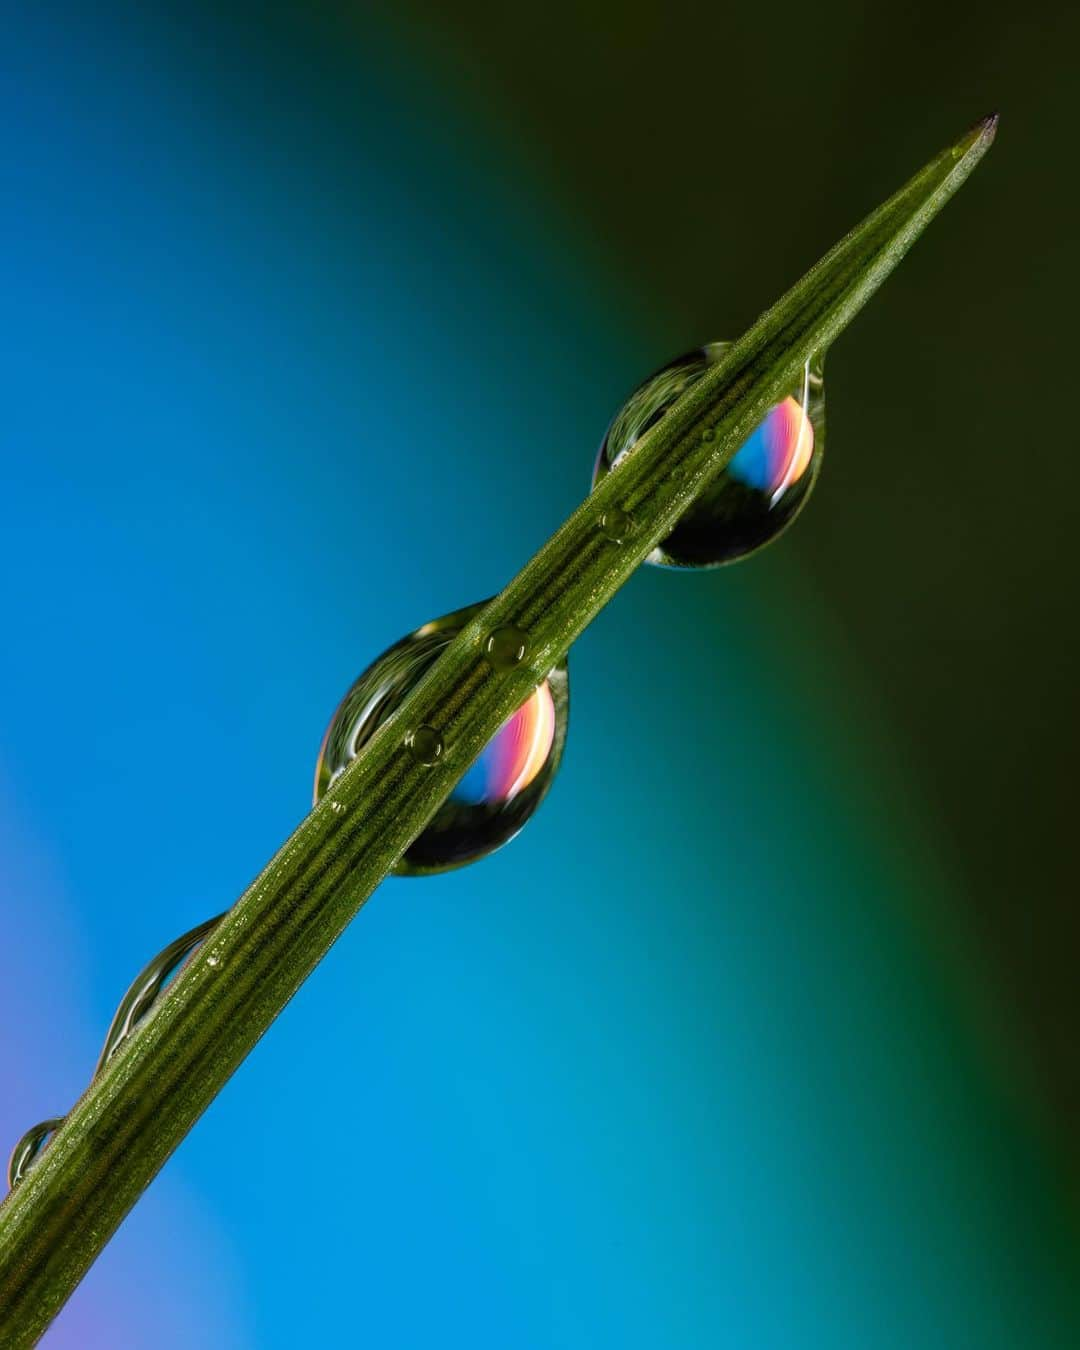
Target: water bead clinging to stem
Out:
[425,744]
[142,997]
[764,485]
[30,1147]
[505,783]
[753,499]
[757,495]
[496,796]
[616,525]
[506,646]
[129,1127]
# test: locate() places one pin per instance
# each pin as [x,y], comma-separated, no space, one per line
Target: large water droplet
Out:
[507,780]
[763,487]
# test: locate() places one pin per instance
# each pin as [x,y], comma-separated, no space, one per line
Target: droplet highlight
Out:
[616,525]
[145,991]
[506,782]
[143,995]
[30,1147]
[763,487]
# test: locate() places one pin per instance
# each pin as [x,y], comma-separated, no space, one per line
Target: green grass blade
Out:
[131,1118]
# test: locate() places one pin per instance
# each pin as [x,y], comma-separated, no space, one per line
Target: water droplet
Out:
[506,646]
[763,487]
[505,783]
[30,1147]
[142,997]
[338,808]
[616,525]
[145,991]
[425,744]
[213,961]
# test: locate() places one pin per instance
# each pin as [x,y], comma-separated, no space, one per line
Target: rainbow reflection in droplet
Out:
[778,453]
[501,788]
[765,484]
[515,754]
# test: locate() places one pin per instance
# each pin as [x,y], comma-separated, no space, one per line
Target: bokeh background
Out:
[763,1032]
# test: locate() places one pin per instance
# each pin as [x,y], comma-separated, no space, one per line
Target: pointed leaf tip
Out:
[981,136]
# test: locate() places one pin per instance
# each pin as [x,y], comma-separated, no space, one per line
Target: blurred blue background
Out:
[302,348]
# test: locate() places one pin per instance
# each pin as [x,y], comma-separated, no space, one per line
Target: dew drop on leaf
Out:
[29,1149]
[763,487]
[505,783]
[506,646]
[616,525]
[425,745]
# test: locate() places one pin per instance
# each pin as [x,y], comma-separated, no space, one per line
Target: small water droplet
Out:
[213,961]
[764,485]
[425,745]
[338,808]
[506,646]
[30,1147]
[142,997]
[616,525]
[505,783]
[145,991]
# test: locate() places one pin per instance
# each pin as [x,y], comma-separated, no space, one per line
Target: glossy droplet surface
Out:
[616,525]
[507,780]
[145,991]
[142,998]
[425,745]
[763,487]
[30,1147]
[505,648]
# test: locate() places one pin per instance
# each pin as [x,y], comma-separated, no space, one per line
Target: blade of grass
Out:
[129,1120]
